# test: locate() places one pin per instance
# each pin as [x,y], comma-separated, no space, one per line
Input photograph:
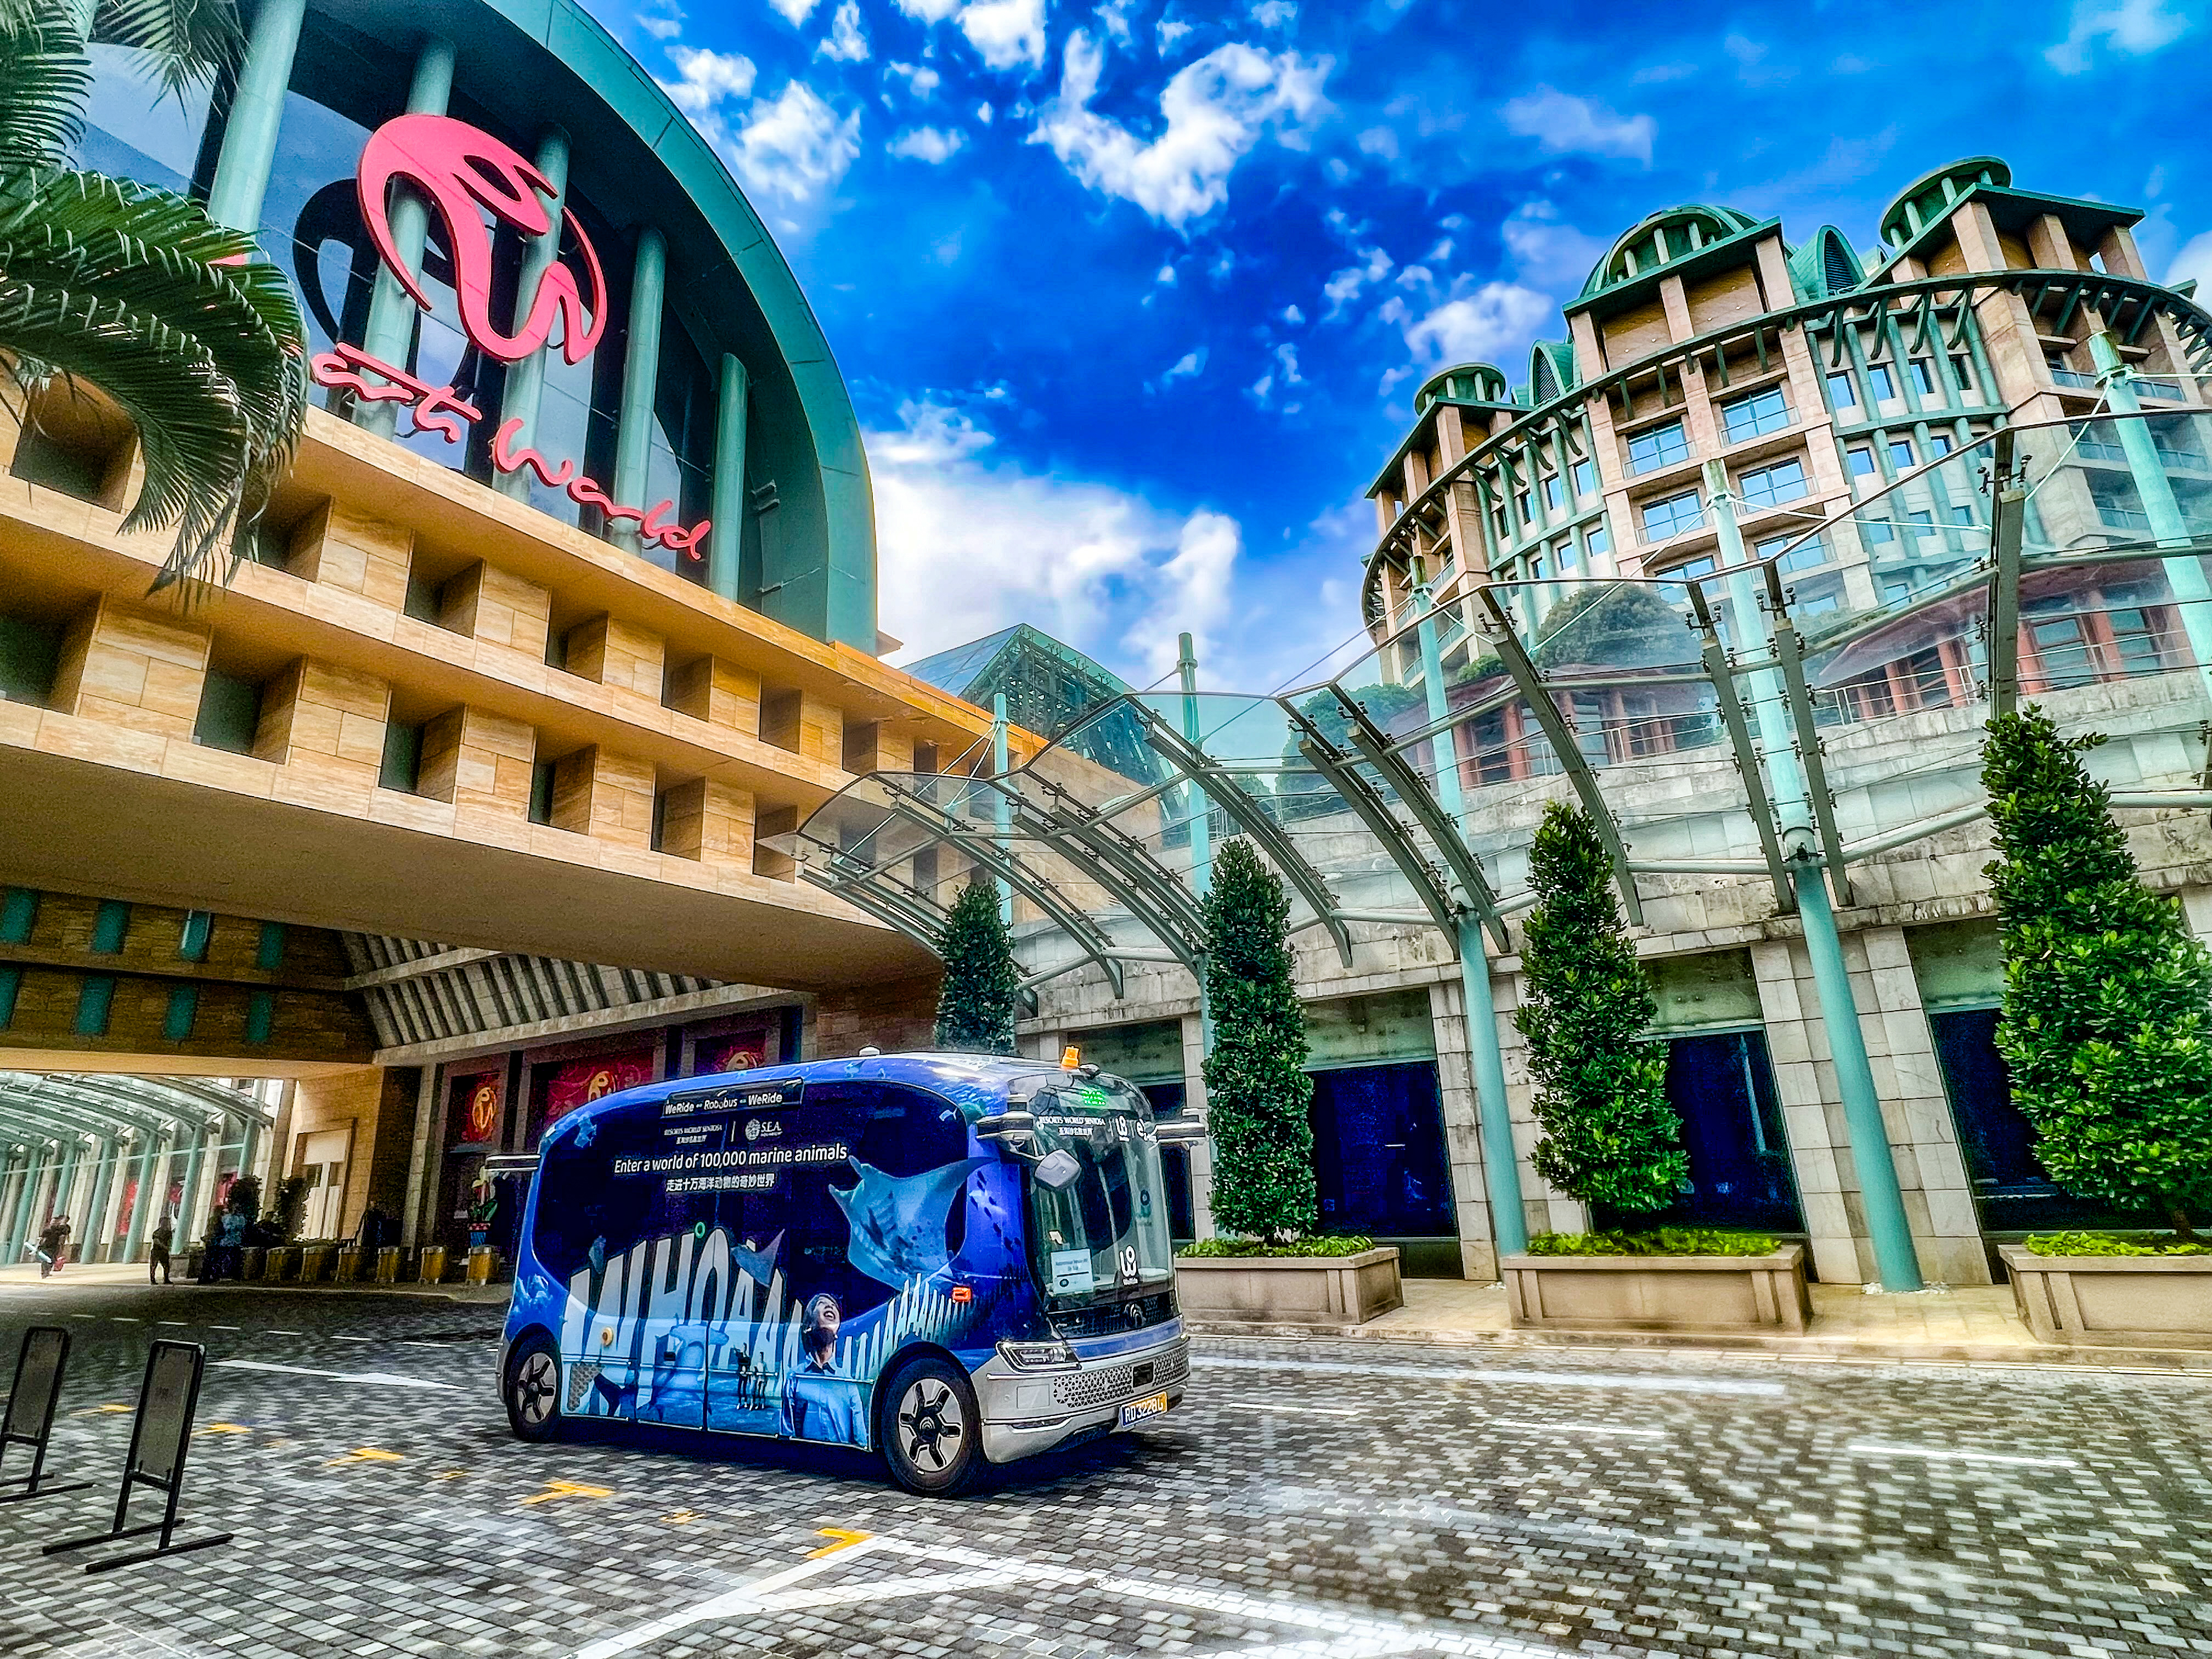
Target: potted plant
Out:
[1610,1137]
[1268,1267]
[2107,1011]
[975,1004]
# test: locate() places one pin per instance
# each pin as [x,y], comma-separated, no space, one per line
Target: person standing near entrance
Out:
[165,1233]
[50,1244]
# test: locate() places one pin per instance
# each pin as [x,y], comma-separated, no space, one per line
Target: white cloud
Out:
[795,12]
[1006,34]
[846,43]
[2133,28]
[1293,316]
[1102,569]
[1344,286]
[1490,323]
[921,79]
[1170,30]
[1562,123]
[929,11]
[1545,251]
[1114,17]
[1187,366]
[930,144]
[2194,260]
[794,146]
[1273,14]
[1214,111]
[661,19]
[707,78]
[984,113]
[1166,278]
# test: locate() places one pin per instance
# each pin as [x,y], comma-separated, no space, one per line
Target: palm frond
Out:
[45,75]
[189,41]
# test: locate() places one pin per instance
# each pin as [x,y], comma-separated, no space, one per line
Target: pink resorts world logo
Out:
[466,174]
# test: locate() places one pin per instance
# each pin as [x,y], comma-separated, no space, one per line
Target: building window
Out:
[183,1009]
[95,998]
[1817,604]
[230,709]
[1842,394]
[1962,515]
[1521,505]
[1753,416]
[1704,567]
[1884,384]
[401,768]
[1861,461]
[1877,532]
[1900,454]
[1809,554]
[1962,372]
[1661,446]
[109,925]
[1938,443]
[1769,486]
[192,939]
[18,914]
[1553,497]
[1673,515]
[541,792]
[269,956]
[11,982]
[1585,478]
[1923,377]
[1569,554]
[1598,539]
[260,1016]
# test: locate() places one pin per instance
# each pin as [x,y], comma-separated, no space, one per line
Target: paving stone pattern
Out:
[1315,1498]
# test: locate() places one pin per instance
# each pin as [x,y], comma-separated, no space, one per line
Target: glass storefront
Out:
[1722,1086]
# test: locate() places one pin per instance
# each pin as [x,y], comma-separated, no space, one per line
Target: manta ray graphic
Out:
[897,1223]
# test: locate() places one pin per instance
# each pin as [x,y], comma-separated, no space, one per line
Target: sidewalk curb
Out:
[2182,1362]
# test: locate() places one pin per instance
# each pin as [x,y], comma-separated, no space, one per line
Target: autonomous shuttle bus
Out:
[952,1259]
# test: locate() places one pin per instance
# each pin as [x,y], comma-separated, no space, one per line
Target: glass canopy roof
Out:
[1788,686]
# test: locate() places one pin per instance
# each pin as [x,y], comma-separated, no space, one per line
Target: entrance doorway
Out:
[1380,1164]
[323,1160]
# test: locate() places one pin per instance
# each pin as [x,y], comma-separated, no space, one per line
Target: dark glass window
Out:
[134,130]
[1379,1152]
[1170,1100]
[1722,1088]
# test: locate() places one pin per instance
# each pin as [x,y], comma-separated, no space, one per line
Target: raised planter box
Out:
[349,1264]
[1291,1289]
[1659,1292]
[430,1265]
[314,1262]
[2113,1301]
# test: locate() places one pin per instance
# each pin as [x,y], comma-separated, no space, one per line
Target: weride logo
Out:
[461,169]
[465,173]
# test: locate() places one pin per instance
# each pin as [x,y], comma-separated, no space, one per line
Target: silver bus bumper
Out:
[1025,1412]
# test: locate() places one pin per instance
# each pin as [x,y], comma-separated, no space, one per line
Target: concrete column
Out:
[392,309]
[726,544]
[419,1182]
[110,1209]
[104,1156]
[249,138]
[47,1181]
[1195,1040]
[525,379]
[72,1186]
[187,1212]
[640,377]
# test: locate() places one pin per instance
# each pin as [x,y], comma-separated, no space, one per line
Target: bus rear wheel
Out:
[532,1388]
[931,1430]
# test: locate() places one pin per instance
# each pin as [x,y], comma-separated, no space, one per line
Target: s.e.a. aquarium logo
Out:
[761,1129]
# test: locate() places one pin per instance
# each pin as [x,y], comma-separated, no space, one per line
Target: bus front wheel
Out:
[932,1429]
[532,1388]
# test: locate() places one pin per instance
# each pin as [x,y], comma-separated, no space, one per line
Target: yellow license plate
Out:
[1138,1410]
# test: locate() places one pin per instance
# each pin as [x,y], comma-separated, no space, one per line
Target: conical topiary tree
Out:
[1610,1137]
[2107,994]
[1257,1092]
[976,1008]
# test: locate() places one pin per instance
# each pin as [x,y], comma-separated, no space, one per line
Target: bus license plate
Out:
[1138,1410]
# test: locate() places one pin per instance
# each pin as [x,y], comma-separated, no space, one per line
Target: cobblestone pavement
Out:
[1309,1498]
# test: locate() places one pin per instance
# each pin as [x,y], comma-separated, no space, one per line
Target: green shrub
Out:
[1332,1245]
[2114,1244]
[975,1007]
[1610,1135]
[1257,1092]
[2105,1027]
[1667,1241]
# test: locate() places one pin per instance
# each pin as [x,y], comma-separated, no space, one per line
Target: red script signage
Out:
[465,173]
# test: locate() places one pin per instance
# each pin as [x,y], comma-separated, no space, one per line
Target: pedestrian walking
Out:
[165,1234]
[50,1245]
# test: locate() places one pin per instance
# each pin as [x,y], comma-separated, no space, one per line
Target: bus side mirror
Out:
[1057,1171]
[1012,1127]
[1180,1132]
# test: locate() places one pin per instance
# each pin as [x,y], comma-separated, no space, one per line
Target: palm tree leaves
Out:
[135,290]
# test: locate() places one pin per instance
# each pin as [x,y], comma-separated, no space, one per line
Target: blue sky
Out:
[1133,298]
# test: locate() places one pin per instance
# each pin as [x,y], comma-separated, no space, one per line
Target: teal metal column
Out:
[640,377]
[1895,1258]
[391,312]
[725,542]
[19,1212]
[65,1188]
[1501,1165]
[1001,809]
[187,1211]
[2184,575]
[147,1200]
[525,387]
[249,137]
[104,1154]
[1201,810]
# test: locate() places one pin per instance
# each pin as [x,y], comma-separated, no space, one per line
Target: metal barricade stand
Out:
[160,1435]
[39,1364]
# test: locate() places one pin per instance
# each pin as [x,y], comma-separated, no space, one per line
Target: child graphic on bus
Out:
[819,1404]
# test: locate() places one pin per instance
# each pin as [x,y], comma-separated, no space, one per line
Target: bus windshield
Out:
[1104,1236]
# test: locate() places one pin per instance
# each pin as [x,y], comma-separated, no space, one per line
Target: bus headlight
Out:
[1037,1356]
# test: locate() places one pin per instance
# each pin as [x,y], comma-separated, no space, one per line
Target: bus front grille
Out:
[1109,1384]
